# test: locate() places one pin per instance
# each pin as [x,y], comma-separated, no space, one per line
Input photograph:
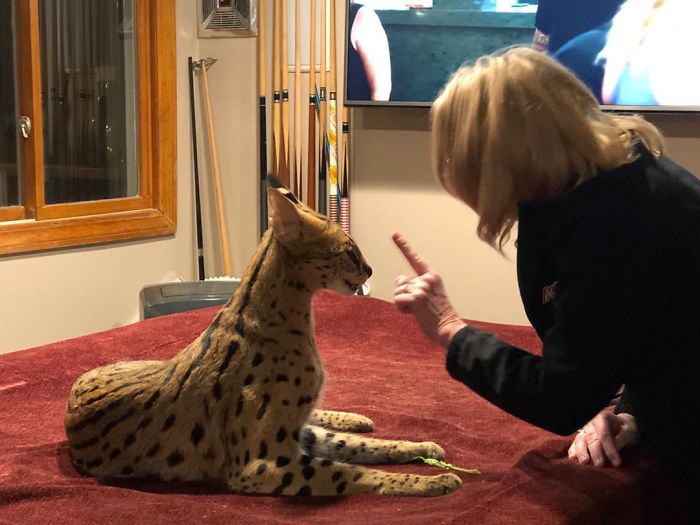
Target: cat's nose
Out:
[367,270]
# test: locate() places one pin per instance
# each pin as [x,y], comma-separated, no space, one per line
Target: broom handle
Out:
[223,233]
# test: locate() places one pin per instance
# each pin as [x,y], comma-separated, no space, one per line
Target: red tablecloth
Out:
[378,364]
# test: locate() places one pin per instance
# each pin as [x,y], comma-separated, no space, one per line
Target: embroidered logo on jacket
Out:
[548,292]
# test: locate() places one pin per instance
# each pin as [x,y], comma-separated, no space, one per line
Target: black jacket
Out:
[610,279]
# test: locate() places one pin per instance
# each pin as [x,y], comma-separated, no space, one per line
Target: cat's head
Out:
[326,256]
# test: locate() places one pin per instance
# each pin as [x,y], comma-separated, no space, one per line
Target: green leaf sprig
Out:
[447,466]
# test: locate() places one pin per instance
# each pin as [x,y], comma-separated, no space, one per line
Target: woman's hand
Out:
[602,438]
[423,296]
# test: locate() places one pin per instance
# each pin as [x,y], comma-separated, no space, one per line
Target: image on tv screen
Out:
[630,53]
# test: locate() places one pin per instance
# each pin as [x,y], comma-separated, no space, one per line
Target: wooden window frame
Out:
[36,226]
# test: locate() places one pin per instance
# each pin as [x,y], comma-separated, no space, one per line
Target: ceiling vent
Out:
[227,18]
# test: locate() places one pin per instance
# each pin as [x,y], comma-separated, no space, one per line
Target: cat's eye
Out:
[352,254]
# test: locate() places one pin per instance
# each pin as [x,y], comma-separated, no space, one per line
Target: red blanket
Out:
[378,364]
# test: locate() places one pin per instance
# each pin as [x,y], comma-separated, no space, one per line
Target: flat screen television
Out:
[636,55]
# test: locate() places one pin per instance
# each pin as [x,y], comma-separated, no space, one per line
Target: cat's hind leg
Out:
[344,421]
[350,448]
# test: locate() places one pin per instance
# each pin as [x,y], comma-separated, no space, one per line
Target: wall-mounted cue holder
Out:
[301,129]
[201,67]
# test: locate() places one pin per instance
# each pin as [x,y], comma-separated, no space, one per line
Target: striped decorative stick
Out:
[332,126]
[284,164]
[298,178]
[262,118]
[323,175]
[345,190]
[311,142]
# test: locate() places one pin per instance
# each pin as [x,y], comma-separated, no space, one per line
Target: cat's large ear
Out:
[290,220]
[283,206]
[285,219]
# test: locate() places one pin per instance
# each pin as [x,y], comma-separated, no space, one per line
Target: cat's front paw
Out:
[413,485]
[428,449]
[361,424]
[442,484]
[341,421]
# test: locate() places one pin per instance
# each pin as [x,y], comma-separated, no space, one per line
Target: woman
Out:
[608,259]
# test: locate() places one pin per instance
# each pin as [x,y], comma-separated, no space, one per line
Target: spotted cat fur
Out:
[237,406]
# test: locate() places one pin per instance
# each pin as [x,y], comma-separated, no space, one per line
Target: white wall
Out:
[56,295]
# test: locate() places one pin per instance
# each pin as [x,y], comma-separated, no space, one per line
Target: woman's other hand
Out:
[601,439]
[424,296]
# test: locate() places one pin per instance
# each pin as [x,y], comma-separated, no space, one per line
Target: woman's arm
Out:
[369,39]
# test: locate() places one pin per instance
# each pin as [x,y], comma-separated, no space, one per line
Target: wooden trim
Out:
[153,212]
[22,237]
[29,75]
[11,213]
[88,208]
[164,109]
[143,28]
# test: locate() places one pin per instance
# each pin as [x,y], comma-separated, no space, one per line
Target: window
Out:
[87,122]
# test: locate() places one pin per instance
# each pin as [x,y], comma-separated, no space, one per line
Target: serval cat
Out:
[237,405]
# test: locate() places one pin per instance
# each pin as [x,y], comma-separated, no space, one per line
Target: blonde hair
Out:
[517,126]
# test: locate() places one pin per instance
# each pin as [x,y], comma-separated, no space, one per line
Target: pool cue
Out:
[323,177]
[276,89]
[323,164]
[298,184]
[311,143]
[195,158]
[333,211]
[344,193]
[284,165]
[221,218]
[262,119]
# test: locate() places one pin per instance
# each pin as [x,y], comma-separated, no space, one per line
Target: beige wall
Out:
[56,295]
[60,294]
[393,190]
